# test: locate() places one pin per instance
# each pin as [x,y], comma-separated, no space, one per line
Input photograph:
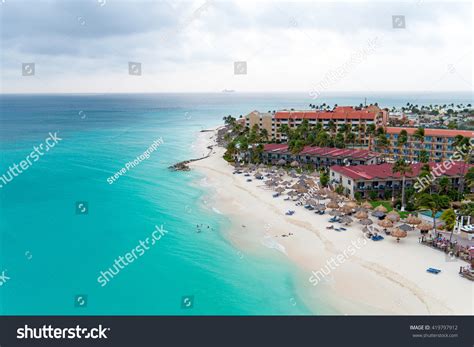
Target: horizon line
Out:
[240,92]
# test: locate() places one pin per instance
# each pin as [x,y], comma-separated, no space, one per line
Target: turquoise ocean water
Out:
[51,254]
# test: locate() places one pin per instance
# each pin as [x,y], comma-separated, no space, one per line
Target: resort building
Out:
[357,118]
[438,143]
[318,156]
[381,180]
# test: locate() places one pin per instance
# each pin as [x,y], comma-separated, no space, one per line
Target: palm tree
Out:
[449,218]
[425,171]
[464,146]
[370,131]
[264,134]
[419,135]
[424,156]
[382,142]
[444,185]
[403,169]
[433,202]
[331,126]
[350,138]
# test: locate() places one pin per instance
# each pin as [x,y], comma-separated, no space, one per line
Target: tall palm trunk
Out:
[403,193]
[462,179]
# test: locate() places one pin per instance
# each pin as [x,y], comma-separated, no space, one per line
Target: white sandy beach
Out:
[383,277]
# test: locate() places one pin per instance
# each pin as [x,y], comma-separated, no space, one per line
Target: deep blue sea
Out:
[52,252]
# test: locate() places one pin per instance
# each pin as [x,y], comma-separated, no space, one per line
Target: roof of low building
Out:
[340,112]
[384,171]
[329,152]
[432,132]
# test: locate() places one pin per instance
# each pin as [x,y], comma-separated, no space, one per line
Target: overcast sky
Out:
[191,46]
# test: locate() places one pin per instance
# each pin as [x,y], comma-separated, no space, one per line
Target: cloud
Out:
[81,46]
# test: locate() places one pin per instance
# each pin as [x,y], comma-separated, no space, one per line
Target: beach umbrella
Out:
[302,190]
[311,202]
[281,162]
[318,197]
[296,186]
[367,205]
[381,208]
[346,209]
[371,229]
[361,215]
[271,183]
[320,207]
[405,227]
[335,213]
[351,204]
[332,204]
[386,223]
[280,190]
[323,191]
[310,183]
[333,195]
[393,216]
[378,214]
[294,163]
[413,220]
[398,233]
[425,227]
[346,220]
[366,221]
[292,193]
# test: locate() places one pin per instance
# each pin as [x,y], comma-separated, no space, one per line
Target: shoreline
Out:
[376,278]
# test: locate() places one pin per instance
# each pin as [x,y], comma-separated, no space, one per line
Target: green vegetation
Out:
[324,178]
[388,206]
[432,202]
[403,169]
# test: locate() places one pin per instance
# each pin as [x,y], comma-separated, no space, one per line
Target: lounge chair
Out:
[377,238]
[433,270]
[342,228]
[287,198]
[276,195]
[330,227]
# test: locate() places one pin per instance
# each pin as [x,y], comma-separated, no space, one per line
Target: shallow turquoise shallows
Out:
[53,250]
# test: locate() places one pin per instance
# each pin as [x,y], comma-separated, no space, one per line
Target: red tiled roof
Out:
[384,171]
[340,112]
[432,132]
[323,151]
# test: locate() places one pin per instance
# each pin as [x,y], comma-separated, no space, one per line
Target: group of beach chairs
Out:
[331,227]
